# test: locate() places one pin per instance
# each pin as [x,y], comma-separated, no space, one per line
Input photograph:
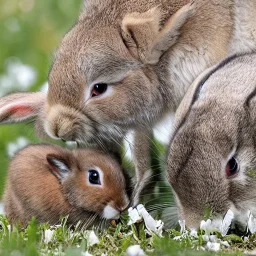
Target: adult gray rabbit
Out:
[212,155]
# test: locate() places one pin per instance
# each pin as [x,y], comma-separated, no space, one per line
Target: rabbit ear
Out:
[19,107]
[142,34]
[58,166]
[191,95]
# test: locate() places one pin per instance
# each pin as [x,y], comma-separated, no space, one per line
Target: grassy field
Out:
[60,240]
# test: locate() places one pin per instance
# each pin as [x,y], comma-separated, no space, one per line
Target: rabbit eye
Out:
[98,89]
[232,167]
[94,177]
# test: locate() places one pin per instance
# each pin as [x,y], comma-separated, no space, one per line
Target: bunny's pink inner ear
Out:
[19,107]
[16,113]
[20,110]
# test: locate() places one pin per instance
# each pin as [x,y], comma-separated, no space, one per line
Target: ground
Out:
[44,239]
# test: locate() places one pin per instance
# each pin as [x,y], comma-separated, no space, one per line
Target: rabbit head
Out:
[212,154]
[109,74]
[102,81]
[91,180]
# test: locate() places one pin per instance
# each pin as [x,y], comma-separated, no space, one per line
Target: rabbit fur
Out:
[147,53]
[49,182]
[215,123]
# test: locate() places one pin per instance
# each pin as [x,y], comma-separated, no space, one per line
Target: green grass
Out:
[113,241]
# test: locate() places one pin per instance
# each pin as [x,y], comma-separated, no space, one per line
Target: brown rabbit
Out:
[127,64]
[48,182]
[212,155]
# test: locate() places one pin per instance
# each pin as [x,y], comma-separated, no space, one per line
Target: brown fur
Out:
[32,189]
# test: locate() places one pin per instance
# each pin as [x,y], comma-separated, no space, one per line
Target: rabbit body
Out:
[127,64]
[49,182]
[212,154]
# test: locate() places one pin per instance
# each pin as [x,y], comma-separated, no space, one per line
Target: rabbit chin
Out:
[110,213]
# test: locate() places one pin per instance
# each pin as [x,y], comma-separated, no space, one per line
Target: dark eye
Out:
[98,89]
[232,167]
[94,177]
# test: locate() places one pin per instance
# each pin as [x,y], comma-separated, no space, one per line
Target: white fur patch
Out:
[111,213]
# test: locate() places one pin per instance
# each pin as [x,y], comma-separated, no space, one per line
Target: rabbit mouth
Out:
[110,213]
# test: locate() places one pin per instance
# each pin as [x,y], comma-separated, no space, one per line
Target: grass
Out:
[31,241]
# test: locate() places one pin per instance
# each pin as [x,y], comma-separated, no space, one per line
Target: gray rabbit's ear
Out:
[190,96]
[250,103]
[20,107]
[146,38]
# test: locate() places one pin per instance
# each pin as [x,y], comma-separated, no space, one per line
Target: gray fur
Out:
[216,121]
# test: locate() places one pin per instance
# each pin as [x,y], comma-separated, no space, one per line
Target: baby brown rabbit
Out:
[212,154]
[48,182]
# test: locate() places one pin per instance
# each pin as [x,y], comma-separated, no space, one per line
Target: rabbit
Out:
[49,182]
[125,65]
[211,159]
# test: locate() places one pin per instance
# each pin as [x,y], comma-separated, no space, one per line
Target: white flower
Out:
[133,216]
[246,238]
[182,226]
[152,225]
[226,222]
[213,238]
[135,250]
[225,243]
[205,238]
[177,238]
[252,223]
[193,233]
[210,226]
[18,76]
[92,239]
[48,235]
[13,147]
[86,254]
[214,247]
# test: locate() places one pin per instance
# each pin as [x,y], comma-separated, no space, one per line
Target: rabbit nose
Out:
[124,207]
[66,133]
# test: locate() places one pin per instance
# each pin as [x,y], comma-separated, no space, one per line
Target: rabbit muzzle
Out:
[67,124]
